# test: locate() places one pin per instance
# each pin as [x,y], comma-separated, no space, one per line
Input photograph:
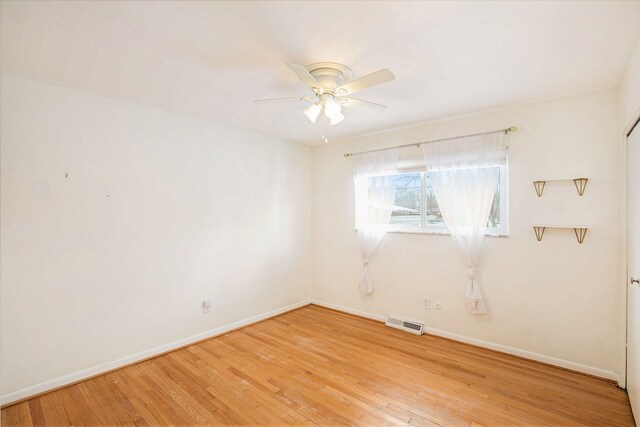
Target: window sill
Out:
[437,232]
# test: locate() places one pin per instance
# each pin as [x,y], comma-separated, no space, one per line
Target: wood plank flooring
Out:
[317,366]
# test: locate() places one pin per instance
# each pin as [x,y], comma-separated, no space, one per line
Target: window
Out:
[416,208]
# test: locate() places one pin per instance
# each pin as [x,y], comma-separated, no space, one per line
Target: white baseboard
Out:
[348,310]
[574,366]
[550,360]
[83,374]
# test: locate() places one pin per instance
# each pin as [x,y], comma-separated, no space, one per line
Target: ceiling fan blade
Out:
[303,74]
[362,105]
[290,98]
[373,79]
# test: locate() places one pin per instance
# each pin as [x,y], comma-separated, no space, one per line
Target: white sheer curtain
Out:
[464,176]
[375,191]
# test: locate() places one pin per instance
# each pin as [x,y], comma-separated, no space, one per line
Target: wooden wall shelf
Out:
[580,183]
[579,230]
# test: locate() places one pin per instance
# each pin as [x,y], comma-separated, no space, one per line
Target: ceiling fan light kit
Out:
[313,112]
[336,119]
[331,82]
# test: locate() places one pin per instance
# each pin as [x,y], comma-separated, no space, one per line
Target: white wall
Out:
[555,298]
[630,89]
[118,220]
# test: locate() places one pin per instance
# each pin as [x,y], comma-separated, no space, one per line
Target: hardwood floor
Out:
[317,366]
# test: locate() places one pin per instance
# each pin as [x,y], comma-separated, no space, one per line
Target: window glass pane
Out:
[408,204]
[406,209]
[494,215]
[379,189]
[434,216]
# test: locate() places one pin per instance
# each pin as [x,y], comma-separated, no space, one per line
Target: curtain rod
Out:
[418,144]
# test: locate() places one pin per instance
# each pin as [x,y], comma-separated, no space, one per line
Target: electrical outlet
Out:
[206,306]
[426,303]
[438,305]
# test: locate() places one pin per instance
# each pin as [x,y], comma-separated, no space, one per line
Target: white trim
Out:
[550,360]
[348,310]
[574,366]
[443,232]
[133,358]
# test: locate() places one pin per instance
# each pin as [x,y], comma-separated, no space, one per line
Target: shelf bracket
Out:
[580,233]
[581,184]
[539,185]
[539,231]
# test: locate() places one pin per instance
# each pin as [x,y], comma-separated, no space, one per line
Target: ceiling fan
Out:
[332,86]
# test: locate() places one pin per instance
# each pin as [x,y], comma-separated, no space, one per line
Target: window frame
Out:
[441,229]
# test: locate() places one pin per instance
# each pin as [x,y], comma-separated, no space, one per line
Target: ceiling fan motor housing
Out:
[330,75]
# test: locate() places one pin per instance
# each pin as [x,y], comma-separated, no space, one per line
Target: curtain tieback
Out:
[366,261]
[471,273]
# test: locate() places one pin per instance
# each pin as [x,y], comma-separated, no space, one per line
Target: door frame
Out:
[633,125]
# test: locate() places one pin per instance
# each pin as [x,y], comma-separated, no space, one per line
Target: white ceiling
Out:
[209,60]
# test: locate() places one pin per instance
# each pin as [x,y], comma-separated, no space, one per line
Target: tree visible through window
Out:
[406,209]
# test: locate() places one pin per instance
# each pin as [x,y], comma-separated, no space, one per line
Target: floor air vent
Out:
[405,325]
